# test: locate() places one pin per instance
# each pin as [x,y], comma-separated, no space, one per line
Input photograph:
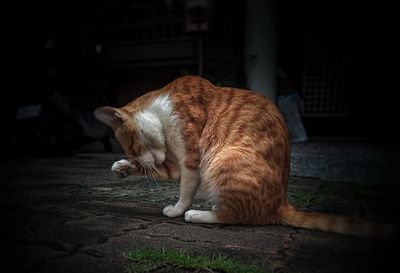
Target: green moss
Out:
[301,199]
[147,260]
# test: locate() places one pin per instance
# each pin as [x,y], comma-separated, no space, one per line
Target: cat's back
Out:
[227,113]
[193,92]
[196,88]
[216,117]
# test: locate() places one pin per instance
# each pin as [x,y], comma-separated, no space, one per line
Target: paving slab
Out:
[69,214]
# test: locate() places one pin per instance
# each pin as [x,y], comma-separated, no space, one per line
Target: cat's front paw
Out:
[173,211]
[123,168]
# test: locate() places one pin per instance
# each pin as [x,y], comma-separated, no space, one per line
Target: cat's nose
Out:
[158,156]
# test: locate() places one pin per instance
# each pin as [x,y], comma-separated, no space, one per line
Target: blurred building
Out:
[83,54]
[145,44]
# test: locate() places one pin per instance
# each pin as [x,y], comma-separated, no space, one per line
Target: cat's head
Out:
[141,135]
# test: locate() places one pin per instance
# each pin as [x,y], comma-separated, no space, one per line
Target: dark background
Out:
[62,59]
[70,57]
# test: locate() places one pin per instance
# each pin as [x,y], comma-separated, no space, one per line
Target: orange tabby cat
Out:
[232,144]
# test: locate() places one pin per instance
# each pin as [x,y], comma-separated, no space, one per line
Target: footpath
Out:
[70,214]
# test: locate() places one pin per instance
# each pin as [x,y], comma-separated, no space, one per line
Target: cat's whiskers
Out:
[153,176]
[147,168]
[161,173]
[151,169]
[143,168]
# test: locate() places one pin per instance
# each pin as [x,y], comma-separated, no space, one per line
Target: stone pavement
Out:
[70,214]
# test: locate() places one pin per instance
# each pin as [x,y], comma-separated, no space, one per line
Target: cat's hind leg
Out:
[202,217]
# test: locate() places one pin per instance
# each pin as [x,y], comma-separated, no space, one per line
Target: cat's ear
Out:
[109,116]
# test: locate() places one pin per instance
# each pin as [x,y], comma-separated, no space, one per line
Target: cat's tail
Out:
[334,223]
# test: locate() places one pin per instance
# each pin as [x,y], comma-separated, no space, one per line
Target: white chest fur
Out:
[159,123]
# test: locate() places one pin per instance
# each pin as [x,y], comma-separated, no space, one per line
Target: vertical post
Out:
[260,47]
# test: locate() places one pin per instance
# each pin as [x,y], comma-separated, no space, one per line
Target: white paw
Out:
[122,168]
[172,211]
[192,216]
[199,216]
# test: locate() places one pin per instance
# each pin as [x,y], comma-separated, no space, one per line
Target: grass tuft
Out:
[147,260]
[303,199]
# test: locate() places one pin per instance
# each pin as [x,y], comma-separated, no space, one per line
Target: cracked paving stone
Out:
[69,214]
[345,254]
[102,189]
[84,263]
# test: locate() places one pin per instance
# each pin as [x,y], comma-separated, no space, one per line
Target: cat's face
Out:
[142,140]
[127,136]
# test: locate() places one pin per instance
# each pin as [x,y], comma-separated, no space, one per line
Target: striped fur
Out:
[232,144]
